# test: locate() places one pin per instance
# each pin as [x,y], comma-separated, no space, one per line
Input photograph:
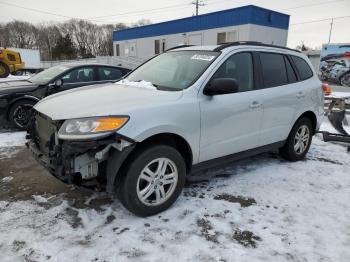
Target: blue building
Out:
[246,23]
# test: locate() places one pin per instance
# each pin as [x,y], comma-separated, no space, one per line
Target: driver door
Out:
[231,123]
[78,77]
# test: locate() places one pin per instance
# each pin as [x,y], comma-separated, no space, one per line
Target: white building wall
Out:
[145,47]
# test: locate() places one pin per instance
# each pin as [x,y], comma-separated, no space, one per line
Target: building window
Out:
[221,38]
[231,36]
[163,45]
[156,47]
[117,50]
[225,37]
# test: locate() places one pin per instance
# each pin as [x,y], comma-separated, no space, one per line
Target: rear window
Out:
[303,68]
[273,69]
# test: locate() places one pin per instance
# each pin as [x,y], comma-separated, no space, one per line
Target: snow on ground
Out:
[9,143]
[259,209]
[14,78]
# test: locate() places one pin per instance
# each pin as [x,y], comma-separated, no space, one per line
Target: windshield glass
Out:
[175,70]
[48,74]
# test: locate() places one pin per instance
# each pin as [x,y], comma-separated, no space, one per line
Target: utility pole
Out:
[198,3]
[330,32]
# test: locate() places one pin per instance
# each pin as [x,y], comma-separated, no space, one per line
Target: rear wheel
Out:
[4,70]
[20,113]
[298,141]
[152,180]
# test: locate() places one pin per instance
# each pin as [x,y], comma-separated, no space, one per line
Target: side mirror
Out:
[58,83]
[221,86]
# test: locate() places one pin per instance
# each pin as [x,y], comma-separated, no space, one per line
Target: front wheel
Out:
[345,80]
[298,141]
[20,113]
[153,180]
[4,70]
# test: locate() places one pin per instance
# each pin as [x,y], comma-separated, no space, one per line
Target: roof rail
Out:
[179,46]
[226,45]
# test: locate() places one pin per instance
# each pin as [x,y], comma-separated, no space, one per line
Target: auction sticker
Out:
[203,57]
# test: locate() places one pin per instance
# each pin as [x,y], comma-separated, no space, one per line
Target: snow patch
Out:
[7,179]
[15,78]
[11,139]
[140,84]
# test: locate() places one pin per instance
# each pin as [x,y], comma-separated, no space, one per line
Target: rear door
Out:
[281,96]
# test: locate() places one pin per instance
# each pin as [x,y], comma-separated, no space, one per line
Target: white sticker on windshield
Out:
[203,57]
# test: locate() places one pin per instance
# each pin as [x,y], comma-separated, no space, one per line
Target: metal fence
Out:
[127,62]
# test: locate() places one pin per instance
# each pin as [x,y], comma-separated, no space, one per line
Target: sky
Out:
[114,11]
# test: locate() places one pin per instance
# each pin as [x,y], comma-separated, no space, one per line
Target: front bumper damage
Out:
[94,163]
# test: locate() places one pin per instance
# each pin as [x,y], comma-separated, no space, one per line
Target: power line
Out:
[321,20]
[309,5]
[35,10]
[139,11]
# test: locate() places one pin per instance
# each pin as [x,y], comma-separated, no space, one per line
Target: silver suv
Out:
[186,110]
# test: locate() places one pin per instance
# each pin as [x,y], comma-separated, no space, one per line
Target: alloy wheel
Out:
[301,139]
[21,115]
[157,182]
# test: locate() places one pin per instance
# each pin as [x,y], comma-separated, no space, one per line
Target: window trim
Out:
[287,59]
[255,75]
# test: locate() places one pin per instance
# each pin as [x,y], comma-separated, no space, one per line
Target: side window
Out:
[80,75]
[303,68]
[109,73]
[292,78]
[240,67]
[273,69]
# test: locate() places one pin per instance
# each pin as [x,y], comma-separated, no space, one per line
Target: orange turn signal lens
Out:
[110,123]
[326,89]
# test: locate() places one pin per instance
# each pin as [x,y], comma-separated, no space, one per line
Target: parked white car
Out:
[185,110]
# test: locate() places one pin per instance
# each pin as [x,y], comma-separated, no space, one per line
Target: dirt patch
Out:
[205,227]
[246,238]
[244,202]
[21,178]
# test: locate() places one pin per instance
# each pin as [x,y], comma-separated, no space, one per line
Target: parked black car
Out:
[18,97]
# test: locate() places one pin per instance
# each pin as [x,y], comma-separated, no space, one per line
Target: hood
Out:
[102,100]
[8,87]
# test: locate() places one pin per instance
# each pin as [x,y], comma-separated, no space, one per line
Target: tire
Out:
[345,80]
[20,113]
[293,152]
[4,70]
[133,185]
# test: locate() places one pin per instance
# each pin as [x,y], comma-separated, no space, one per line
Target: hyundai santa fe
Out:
[186,110]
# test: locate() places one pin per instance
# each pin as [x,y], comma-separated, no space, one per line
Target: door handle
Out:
[300,94]
[255,105]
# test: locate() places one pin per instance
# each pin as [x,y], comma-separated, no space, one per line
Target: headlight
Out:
[87,128]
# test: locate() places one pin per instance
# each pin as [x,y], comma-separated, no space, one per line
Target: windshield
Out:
[175,70]
[48,74]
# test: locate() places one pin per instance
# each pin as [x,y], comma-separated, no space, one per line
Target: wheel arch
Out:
[312,117]
[19,99]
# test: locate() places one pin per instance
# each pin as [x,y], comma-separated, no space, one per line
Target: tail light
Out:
[326,89]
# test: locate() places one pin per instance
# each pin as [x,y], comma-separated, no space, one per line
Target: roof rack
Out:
[179,46]
[229,44]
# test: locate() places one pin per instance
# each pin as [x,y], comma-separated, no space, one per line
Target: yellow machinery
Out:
[10,62]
